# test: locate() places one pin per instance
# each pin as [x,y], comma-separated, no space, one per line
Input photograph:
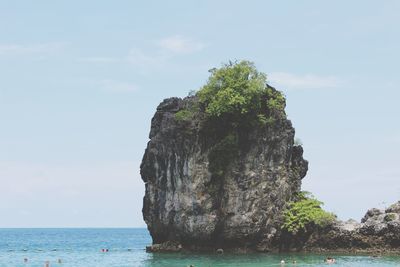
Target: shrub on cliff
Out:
[183,115]
[238,88]
[304,213]
[235,99]
[187,113]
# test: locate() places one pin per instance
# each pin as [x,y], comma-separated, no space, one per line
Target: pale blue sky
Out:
[80,81]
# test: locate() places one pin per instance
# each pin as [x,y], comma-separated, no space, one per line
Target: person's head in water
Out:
[330,260]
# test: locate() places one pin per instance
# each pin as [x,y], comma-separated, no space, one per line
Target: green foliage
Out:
[305,212]
[389,217]
[238,88]
[275,100]
[262,119]
[235,99]
[222,154]
[188,112]
[184,115]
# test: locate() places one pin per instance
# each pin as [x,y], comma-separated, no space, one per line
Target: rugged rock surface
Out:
[194,203]
[379,231]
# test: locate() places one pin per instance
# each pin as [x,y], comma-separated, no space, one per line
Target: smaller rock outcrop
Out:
[379,231]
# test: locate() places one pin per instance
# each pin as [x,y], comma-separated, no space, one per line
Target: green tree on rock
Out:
[238,88]
[305,212]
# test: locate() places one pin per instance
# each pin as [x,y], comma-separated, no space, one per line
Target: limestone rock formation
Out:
[204,191]
[378,231]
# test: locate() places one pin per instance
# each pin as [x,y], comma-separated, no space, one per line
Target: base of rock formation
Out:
[377,233]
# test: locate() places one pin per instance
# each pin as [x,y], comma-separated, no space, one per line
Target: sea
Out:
[126,247]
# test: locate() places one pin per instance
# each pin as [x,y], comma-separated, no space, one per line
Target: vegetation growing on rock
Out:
[183,115]
[237,92]
[235,99]
[304,213]
[239,89]
[390,217]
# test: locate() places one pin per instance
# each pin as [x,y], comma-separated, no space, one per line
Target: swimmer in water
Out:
[25,260]
[282,262]
[330,260]
[47,264]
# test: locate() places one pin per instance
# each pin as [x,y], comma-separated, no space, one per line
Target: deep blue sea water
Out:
[82,248]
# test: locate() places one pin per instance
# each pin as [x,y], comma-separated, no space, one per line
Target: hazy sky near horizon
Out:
[80,82]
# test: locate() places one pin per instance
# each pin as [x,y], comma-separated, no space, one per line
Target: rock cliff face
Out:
[201,194]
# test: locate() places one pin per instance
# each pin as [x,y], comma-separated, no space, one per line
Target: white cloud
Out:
[29,49]
[180,45]
[308,81]
[157,55]
[118,86]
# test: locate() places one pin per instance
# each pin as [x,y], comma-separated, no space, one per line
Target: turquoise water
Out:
[82,247]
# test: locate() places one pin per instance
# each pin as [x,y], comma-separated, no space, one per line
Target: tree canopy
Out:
[305,212]
[238,88]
